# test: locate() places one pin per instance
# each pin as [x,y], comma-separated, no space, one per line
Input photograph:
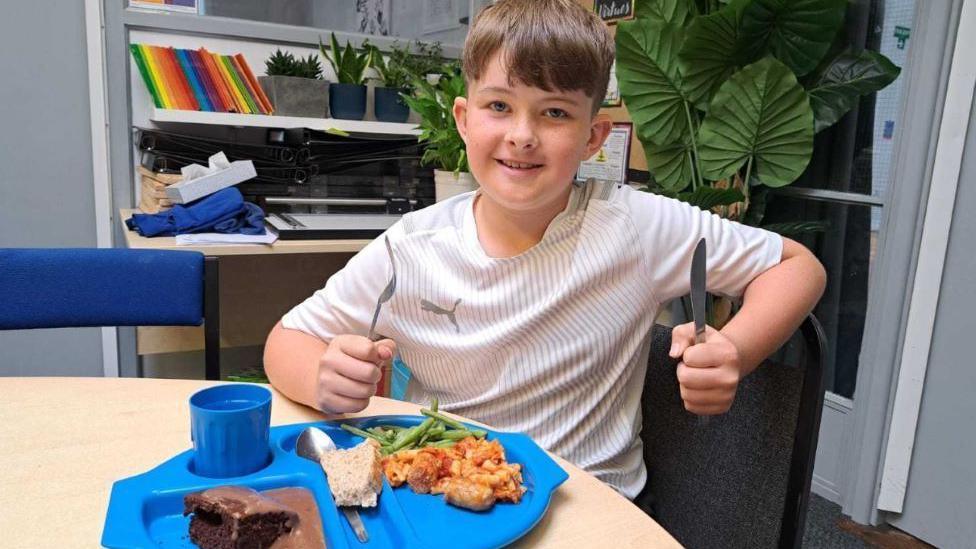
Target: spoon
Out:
[311,444]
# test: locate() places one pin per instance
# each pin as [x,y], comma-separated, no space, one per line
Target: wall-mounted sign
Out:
[612,11]
[610,163]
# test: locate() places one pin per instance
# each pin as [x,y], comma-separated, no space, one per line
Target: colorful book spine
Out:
[168,74]
[204,77]
[234,93]
[189,100]
[199,80]
[218,79]
[156,73]
[144,72]
[258,90]
[239,85]
[195,85]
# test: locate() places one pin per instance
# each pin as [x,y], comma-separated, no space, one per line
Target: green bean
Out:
[433,403]
[443,443]
[458,434]
[364,434]
[442,417]
[413,435]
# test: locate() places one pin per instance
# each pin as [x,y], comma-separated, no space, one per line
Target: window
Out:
[847,185]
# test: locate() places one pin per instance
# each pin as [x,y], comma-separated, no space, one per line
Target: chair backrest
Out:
[743,478]
[63,287]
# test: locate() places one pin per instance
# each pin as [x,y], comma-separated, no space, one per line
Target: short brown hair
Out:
[547,44]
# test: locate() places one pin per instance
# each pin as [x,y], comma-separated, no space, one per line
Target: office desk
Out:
[213,253]
[66,440]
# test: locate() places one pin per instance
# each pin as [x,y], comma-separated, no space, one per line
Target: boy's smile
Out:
[524,144]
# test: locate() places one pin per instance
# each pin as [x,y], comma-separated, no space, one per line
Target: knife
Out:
[698,291]
[698,299]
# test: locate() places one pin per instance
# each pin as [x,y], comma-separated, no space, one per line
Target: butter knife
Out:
[698,299]
[698,291]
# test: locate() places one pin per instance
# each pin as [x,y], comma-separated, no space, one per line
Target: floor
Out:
[828,527]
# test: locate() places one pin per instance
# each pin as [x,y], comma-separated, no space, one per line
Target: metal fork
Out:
[387,292]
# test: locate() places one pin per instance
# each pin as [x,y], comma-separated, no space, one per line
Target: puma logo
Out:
[428,306]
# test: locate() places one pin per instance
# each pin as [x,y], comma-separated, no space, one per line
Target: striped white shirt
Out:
[552,342]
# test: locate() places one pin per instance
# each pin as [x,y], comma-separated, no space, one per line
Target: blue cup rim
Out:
[258,395]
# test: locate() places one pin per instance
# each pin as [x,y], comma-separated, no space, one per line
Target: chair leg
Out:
[211,317]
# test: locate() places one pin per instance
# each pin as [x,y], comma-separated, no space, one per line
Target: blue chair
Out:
[74,287]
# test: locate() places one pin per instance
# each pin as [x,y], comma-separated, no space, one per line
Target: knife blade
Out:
[698,291]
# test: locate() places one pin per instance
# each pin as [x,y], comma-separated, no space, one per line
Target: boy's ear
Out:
[599,130]
[461,116]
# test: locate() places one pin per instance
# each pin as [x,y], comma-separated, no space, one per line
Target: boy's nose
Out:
[521,135]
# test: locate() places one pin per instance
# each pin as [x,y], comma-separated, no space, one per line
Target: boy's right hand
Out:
[349,370]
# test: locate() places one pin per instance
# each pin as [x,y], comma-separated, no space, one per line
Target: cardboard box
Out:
[188,191]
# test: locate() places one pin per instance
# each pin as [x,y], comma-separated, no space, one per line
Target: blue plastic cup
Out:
[229,427]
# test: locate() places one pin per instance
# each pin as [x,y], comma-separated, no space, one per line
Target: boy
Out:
[527,304]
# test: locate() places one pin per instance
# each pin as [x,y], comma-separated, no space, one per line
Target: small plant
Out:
[349,66]
[395,73]
[435,104]
[285,64]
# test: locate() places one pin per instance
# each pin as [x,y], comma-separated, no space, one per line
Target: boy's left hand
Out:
[708,373]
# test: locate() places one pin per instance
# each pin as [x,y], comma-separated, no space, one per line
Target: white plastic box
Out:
[188,191]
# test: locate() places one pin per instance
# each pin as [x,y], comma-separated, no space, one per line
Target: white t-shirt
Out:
[552,342]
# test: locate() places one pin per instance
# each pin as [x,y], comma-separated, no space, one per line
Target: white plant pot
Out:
[446,184]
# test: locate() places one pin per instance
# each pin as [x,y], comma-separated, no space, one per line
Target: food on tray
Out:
[438,431]
[354,474]
[229,517]
[473,473]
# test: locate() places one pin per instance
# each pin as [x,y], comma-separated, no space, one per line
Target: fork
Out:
[387,292]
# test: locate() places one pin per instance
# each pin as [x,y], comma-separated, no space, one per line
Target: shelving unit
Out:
[287,122]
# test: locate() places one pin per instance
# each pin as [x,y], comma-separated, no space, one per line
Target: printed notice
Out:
[610,163]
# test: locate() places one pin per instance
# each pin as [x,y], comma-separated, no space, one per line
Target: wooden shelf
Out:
[287,122]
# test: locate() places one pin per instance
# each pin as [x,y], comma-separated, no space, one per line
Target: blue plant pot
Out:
[347,101]
[388,105]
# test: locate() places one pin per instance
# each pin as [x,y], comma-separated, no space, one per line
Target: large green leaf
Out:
[678,12]
[763,113]
[647,71]
[707,198]
[709,55]
[670,164]
[797,32]
[847,77]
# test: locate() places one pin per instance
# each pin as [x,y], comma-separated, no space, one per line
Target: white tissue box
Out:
[188,191]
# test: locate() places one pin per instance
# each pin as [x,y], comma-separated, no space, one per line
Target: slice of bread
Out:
[355,474]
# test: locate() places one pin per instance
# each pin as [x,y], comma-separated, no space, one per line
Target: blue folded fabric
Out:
[221,212]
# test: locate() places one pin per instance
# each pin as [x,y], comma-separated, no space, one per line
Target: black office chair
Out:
[743,478]
[73,287]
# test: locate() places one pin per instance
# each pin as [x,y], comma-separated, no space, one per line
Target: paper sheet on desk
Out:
[269,237]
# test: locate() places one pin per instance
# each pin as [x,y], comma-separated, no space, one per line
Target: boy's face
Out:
[524,144]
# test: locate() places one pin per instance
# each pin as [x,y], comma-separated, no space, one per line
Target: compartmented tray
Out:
[147,510]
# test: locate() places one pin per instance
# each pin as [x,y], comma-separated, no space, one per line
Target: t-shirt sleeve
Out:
[345,305]
[670,229]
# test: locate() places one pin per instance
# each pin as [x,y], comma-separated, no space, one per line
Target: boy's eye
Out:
[497,106]
[556,113]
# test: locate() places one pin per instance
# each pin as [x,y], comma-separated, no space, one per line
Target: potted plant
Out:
[725,102]
[444,146]
[347,97]
[295,85]
[397,79]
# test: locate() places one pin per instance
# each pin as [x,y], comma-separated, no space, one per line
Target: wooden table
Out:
[64,441]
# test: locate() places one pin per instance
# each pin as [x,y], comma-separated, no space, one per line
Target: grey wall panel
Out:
[45,165]
[941,491]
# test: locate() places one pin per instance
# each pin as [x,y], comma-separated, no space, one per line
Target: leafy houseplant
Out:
[348,96]
[444,146]
[295,86]
[726,96]
[397,78]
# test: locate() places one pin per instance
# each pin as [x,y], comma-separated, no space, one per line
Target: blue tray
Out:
[147,510]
